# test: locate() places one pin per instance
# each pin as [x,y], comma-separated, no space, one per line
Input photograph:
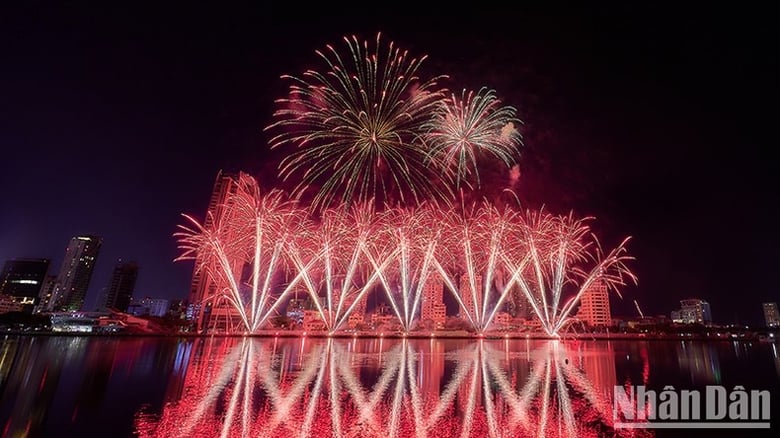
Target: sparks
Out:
[356,126]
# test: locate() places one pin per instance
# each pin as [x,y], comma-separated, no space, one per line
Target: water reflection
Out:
[84,385]
[160,386]
[31,386]
[700,360]
[390,388]
[776,358]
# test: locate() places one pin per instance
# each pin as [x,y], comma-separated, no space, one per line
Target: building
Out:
[98,322]
[642,323]
[692,311]
[75,322]
[433,307]
[295,309]
[75,273]
[47,291]
[357,316]
[191,313]
[221,316]
[383,319]
[138,309]
[503,321]
[157,306]
[203,286]
[312,318]
[467,295]
[356,319]
[21,281]
[312,321]
[518,304]
[771,315]
[120,289]
[8,304]
[594,305]
[177,309]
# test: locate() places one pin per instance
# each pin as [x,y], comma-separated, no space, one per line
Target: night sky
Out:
[659,121]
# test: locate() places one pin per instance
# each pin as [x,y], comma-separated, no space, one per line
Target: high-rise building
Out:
[47,291]
[21,281]
[771,315]
[433,307]
[120,290]
[518,305]
[75,273]
[693,311]
[469,294]
[203,285]
[594,305]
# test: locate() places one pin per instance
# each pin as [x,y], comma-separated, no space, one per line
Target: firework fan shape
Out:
[254,226]
[479,253]
[357,127]
[463,129]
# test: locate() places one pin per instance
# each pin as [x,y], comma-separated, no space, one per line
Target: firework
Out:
[356,127]
[330,258]
[253,230]
[559,257]
[469,262]
[481,254]
[406,242]
[465,128]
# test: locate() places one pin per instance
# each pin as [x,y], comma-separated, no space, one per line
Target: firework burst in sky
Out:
[356,127]
[465,128]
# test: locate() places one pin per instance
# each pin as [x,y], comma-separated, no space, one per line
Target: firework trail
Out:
[406,242]
[356,127]
[469,261]
[253,230]
[559,257]
[330,258]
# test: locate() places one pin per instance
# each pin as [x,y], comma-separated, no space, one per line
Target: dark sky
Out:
[658,120]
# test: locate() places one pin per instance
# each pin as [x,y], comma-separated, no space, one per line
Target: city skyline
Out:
[672,190]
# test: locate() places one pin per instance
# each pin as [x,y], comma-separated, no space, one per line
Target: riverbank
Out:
[747,336]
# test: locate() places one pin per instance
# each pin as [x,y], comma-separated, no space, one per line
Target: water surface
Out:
[284,387]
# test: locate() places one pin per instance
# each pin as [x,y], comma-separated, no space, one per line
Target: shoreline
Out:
[427,335]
